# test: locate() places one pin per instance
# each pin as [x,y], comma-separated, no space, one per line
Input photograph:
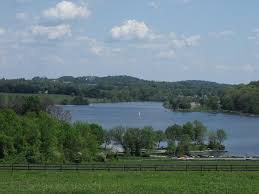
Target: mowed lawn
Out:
[129,182]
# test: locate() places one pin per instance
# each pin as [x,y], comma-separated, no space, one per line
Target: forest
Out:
[114,88]
[210,96]
[39,132]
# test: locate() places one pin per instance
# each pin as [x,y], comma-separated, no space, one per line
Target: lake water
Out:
[243,131]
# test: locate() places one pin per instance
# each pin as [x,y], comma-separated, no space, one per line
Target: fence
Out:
[130,167]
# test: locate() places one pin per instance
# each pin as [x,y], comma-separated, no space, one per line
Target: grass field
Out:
[128,182]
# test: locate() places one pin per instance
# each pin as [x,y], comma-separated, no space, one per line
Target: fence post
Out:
[124,167]
[201,168]
[216,167]
[12,168]
[186,167]
[231,168]
[28,166]
[140,167]
[60,167]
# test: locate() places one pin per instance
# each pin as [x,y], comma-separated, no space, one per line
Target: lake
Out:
[243,131]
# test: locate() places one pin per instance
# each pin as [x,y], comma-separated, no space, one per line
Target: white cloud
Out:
[97,50]
[250,68]
[184,41]
[2,31]
[167,54]
[192,40]
[153,4]
[225,33]
[67,10]
[52,32]
[94,46]
[132,29]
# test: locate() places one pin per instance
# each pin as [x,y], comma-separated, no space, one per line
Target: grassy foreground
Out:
[129,182]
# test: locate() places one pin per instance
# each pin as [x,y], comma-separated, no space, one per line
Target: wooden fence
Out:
[130,167]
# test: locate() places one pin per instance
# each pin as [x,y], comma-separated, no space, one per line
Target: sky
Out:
[169,40]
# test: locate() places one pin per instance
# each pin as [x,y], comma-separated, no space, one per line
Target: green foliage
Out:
[221,135]
[200,132]
[192,136]
[173,133]
[38,138]
[134,140]
[216,139]
[113,88]
[179,103]
[78,100]
[213,103]
[117,134]
[184,145]
[25,104]
[242,98]
[176,95]
[171,148]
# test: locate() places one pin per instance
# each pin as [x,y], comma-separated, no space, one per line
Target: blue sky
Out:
[215,40]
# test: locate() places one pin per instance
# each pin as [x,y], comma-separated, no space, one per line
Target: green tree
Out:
[221,136]
[132,141]
[184,146]
[6,146]
[148,138]
[200,132]
[174,132]
[213,140]
[117,134]
[188,129]
[171,148]
[106,138]
[213,103]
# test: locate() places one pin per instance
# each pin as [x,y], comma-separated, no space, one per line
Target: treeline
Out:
[176,95]
[17,101]
[180,139]
[193,136]
[39,137]
[24,104]
[240,98]
[112,88]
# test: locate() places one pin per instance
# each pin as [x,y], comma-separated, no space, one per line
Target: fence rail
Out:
[130,167]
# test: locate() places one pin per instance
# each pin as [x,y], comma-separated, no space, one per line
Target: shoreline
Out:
[214,111]
[105,101]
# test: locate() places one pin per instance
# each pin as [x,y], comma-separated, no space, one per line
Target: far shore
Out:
[105,101]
